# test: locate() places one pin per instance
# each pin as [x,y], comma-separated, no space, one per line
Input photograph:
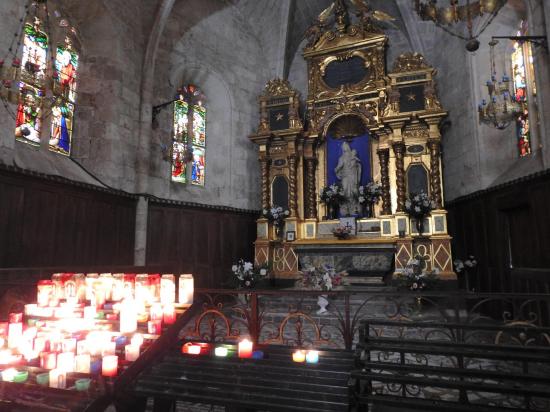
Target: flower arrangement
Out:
[276,215]
[342,232]
[370,193]
[321,278]
[469,263]
[246,275]
[415,277]
[467,269]
[333,194]
[419,205]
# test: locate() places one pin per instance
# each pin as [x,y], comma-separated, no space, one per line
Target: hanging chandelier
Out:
[501,108]
[455,12]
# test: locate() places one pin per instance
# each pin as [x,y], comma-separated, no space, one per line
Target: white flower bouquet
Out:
[333,194]
[370,193]
[246,275]
[276,215]
[322,278]
[419,205]
[415,277]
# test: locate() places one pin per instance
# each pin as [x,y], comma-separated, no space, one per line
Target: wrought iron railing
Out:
[289,317]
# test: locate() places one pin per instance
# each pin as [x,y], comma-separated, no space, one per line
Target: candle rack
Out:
[71,338]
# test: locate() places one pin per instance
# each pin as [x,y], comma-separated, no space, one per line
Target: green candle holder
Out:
[21,376]
[43,379]
[82,384]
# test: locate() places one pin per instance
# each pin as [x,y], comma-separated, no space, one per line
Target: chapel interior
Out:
[275,205]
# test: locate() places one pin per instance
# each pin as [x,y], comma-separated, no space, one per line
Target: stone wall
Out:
[216,50]
[112,43]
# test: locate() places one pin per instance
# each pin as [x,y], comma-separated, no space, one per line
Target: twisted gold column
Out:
[264,163]
[384,156]
[292,194]
[311,204]
[399,150]
[435,173]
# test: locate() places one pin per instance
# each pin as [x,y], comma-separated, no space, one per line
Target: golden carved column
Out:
[435,175]
[310,200]
[264,164]
[399,150]
[384,156]
[292,193]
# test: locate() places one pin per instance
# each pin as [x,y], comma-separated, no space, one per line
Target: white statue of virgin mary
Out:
[348,171]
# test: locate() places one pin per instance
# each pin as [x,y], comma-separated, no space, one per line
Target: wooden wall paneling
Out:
[68,245]
[511,220]
[154,225]
[11,210]
[54,223]
[38,245]
[201,241]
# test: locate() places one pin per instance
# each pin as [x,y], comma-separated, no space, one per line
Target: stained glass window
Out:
[179,146]
[66,66]
[34,80]
[29,110]
[199,125]
[179,166]
[521,64]
[197,172]
[189,137]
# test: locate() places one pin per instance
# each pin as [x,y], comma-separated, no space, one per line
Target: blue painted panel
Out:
[334,150]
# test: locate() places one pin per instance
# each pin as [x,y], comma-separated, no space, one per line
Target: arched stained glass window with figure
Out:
[189,137]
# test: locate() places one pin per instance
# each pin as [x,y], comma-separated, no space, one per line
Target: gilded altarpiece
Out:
[351,97]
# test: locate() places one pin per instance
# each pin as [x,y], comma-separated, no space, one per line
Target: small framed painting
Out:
[291,236]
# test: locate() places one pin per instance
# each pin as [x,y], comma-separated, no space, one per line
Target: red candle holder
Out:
[16,317]
[154,327]
[191,348]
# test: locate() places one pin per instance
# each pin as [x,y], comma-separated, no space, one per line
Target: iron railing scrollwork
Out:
[289,317]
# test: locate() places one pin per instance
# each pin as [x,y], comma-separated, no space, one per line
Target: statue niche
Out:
[348,159]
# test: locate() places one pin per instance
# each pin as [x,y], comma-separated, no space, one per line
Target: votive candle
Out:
[156,312]
[137,340]
[220,351]
[48,360]
[58,379]
[109,348]
[131,352]
[90,280]
[82,347]
[128,316]
[15,333]
[169,314]
[186,289]
[90,312]
[167,289]
[193,349]
[312,356]
[154,327]
[245,349]
[69,345]
[16,317]
[39,344]
[9,374]
[65,361]
[299,356]
[109,365]
[82,363]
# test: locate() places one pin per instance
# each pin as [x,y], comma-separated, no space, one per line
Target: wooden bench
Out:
[274,383]
[452,367]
